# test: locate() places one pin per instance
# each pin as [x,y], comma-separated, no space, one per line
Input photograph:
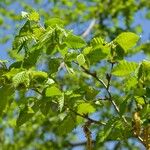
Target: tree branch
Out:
[94,75]
[88,30]
[79,143]
[109,76]
[86,117]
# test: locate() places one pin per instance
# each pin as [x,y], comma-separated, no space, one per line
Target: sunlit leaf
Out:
[127,40]
[124,68]
[81,59]
[53,91]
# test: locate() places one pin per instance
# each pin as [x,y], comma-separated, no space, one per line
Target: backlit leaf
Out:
[124,68]
[53,91]
[74,41]
[127,40]
[81,59]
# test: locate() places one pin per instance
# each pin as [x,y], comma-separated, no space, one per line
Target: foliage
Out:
[59,81]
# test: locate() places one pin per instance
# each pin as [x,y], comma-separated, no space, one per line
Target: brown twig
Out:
[80,143]
[94,75]
[86,117]
[109,76]
[87,132]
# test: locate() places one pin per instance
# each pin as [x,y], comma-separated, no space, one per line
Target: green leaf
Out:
[24,116]
[61,102]
[139,100]
[90,93]
[74,41]
[5,93]
[25,36]
[104,134]
[21,79]
[148,92]
[124,105]
[139,91]
[53,22]
[52,91]
[131,83]
[32,58]
[98,42]
[67,125]
[53,65]
[144,69]
[34,16]
[97,50]
[81,59]
[124,68]
[144,73]
[127,40]
[38,76]
[145,113]
[84,109]
[9,75]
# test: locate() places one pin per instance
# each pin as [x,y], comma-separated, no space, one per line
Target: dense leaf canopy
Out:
[68,76]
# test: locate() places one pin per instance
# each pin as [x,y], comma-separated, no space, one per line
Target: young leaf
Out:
[38,76]
[127,40]
[74,41]
[97,50]
[21,79]
[139,100]
[61,102]
[52,91]
[81,59]
[124,68]
[83,109]
[53,22]
[34,16]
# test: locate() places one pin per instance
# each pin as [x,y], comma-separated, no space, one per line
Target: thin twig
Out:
[87,132]
[104,85]
[94,75]
[37,91]
[80,143]
[86,117]
[109,76]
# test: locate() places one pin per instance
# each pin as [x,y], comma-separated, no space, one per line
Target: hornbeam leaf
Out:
[83,109]
[61,102]
[34,16]
[74,41]
[21,79]
[53,22]
[124,68]
[81,59]
[52,91]
[127,40]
